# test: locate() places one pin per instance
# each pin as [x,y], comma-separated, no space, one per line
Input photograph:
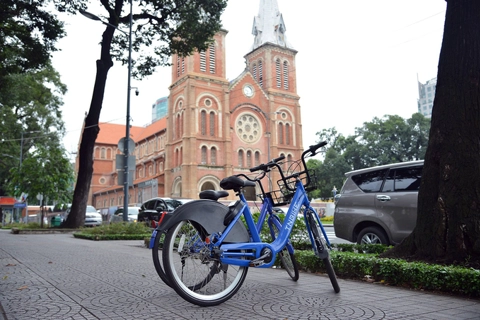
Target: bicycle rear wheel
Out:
[196,274]
[157,251]
[321,249]
[287,259]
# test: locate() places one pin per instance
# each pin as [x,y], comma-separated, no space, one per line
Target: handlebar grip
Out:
[314,148]
[259,167]
[278,159]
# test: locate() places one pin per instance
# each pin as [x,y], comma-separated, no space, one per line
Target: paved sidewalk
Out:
[55,276]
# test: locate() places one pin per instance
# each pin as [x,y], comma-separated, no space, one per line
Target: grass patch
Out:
[115,231]
[22,226]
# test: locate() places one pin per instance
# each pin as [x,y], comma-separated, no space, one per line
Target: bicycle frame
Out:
[241,254]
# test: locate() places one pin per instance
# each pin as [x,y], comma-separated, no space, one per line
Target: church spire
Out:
[268,26]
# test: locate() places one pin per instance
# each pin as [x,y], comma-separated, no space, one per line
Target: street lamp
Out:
[127,125]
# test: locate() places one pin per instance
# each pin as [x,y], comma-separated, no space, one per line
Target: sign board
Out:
[121,176]
[119,165]
[131,145]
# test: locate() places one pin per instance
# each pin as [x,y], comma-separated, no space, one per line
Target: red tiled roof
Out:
[111,133]
[148,131]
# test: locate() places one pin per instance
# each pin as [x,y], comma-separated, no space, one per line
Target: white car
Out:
[92,217]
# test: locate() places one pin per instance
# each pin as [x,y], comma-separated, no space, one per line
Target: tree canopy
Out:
[28,35]
[30,89]
[382,141]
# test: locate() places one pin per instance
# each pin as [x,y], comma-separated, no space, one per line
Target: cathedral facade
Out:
[214,127]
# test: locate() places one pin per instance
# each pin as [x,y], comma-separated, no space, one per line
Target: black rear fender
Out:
[210,215]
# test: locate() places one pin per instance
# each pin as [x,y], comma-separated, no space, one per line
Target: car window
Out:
[150,205]
[403,179]
[161,205]
[91,209]
[370,181]
[132,210]
[173,203]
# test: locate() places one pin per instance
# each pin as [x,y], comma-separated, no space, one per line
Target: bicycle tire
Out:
[287,259]
[157,251]
[322,250]
[185,262]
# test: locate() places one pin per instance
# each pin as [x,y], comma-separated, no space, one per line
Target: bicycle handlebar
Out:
[266,167]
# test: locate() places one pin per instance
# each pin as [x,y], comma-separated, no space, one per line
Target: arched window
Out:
[203,123]
[183,65]
[260,73]
[254,71]
[257,158]
[284,164]
[287,134]
[212,58]
[203,62]
[212,124]
[213,156]
[278,73]
[280,133]
[240,158]
[103,153]
[249,159]
[285,75]
[204,155]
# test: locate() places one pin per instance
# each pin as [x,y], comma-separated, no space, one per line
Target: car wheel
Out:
[372,235]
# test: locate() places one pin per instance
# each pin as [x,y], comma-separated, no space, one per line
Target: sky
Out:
[356,60]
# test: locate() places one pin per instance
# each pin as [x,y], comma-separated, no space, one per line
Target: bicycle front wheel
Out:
[287,259]
[320,245]
[194,272]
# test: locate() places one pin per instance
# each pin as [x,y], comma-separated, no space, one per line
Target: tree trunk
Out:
[448,221]
[76,217]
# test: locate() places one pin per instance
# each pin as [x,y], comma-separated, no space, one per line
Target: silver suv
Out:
[378,204]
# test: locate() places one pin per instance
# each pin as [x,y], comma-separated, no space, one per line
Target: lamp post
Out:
[126,150]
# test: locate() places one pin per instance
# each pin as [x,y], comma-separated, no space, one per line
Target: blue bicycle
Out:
[287,257]
[208,250]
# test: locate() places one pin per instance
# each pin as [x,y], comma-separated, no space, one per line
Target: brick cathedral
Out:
[214,127]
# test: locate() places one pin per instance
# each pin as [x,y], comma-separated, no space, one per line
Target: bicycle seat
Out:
[235,183]
[213,194]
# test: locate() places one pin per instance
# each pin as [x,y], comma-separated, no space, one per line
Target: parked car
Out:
[378,204]
[118,215]
[92,217]
[151,210]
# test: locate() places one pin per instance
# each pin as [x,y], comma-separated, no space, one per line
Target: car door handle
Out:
[383,198]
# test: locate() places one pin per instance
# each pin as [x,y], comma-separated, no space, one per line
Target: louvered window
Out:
[254,71]
[260,73]
[212,58]
[278,73]
[178,66]
[203,62]
[285,75]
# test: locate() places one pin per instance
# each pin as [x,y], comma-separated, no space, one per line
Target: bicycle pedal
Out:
[256,263]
